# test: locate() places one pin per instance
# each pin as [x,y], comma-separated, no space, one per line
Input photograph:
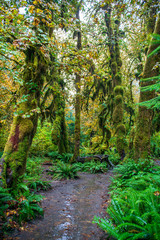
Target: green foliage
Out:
[154,82]
[34,167]
[1,153]
[37,185]
[135,206]
[64,171]
[91,167]
[5,197]
[18,206]
[64,157]
[42,142]
[95,167]
[155,145]
[130,168]
[29,208]
[113,155]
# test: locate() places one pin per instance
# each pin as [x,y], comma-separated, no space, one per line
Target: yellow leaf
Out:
[31,9]
[39,10]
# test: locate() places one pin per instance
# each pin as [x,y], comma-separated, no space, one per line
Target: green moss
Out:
[121,130]
[25,127]
[118,79]
[15,163]
[114,67]
[121,145]
[118,90]
[117,22]
[118,99]
[119,62]
[118,114]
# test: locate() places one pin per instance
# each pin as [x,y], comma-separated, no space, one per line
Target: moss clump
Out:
[121,146]
[15,163]
[118,90]
[117,22]
[121,129]
[117,114]
[118,99]
[118,79]
[119,62]
[25,127]
[114,67]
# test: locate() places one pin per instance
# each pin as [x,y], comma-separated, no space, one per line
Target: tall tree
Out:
[145,116]
[33,44]
[78,92]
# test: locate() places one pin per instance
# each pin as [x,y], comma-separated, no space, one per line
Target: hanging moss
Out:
[55,135]
[131,141]
[118,99]
[121,129]
[117,22]
[121,146]
[114,67]
[118,79]
[118,90]
[119,62]
[117,114]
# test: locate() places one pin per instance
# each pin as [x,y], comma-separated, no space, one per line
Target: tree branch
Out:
[10,59]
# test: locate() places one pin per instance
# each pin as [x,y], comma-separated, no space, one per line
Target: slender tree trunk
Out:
[77,99]
[13,161]
[117,89]
[59,132]
[145,116]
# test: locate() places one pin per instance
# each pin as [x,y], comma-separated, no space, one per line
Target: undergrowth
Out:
[135,203]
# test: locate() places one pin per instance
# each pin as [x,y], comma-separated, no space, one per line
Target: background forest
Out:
[81,78]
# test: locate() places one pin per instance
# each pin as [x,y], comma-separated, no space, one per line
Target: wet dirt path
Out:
[69,209]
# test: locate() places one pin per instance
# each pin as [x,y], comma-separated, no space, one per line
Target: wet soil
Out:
[69,209]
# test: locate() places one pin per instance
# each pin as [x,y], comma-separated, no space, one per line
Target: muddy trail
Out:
[69,208]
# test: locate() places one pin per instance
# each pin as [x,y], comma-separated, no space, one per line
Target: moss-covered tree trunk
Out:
[77,99]
[13,161]
[117,89]
[145,116]
[59,132]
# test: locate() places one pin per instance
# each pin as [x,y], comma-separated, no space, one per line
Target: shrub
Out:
[135,206]
[18,206]
[42,142]
[113,156]
[95,167]
[34,167]
[64,157]
[64,171]
[155,145]
[37,185]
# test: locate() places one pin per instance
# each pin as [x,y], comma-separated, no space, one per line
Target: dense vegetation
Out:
[81,78]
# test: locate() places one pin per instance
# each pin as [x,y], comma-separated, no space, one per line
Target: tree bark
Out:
[77,99]
[145,116]
[13,161]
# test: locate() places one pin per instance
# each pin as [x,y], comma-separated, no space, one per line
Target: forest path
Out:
[69,209]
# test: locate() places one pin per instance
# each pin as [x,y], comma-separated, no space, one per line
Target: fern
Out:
[153,103]
[107,226]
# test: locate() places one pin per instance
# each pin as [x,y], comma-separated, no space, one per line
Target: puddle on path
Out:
[69,210]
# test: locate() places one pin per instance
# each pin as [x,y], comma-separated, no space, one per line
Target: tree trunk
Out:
[77,99]
[13,161]
[117,89]
[145,116]
[59,133]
